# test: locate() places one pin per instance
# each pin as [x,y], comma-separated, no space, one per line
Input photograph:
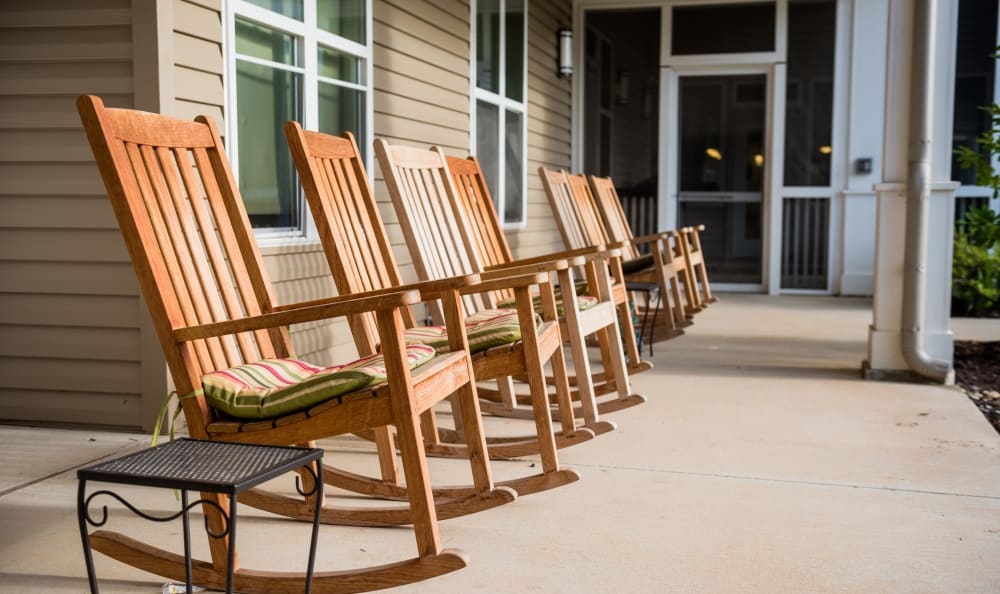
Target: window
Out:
[499,140]
[303,60]
[809,92]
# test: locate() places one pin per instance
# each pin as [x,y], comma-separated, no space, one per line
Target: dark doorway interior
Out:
[621,106]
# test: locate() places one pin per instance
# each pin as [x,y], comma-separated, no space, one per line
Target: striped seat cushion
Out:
[485,329]
[275,387]
[583,302]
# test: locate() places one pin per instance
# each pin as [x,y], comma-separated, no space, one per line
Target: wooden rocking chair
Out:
[666,264]
[680,255]
[357,248]
[580,225]
[472,201]
[210,299]
[690,244]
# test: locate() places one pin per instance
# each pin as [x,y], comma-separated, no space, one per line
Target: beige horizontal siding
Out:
[69,305]
[73,406]
[549,104]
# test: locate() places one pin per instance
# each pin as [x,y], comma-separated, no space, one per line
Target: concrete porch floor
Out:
[760,463]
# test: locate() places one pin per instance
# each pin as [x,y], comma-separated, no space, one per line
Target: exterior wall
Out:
[549,126]
[421,90]
[76,344]
[69,307]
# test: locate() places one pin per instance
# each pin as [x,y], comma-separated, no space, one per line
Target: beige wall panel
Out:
[549,103]
[67,278]
[69,313]
[450,118]
[66,78]
[54,212]
[188,110]
[57,146]
[93,245]
[459,8]
[215,5]
[71,407]
[76,44]
[35,179]
[420,90]
[66,13]
[85,376]
[413,68]
[424,21]
[62,342]
[293,262]
[399,38]
[198,54]
[198,21]
[419,133]
[41,112]
[197,86]
[99,311]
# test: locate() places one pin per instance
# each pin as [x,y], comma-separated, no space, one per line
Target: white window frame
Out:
[309,38]
[504,104]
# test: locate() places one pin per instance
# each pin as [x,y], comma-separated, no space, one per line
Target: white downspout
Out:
[918,199]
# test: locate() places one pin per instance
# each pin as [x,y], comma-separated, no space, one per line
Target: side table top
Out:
[209,466]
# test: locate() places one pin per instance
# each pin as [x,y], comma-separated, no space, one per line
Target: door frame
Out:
[774,127]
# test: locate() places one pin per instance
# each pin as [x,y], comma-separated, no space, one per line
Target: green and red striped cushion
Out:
[275,387]
[485,329]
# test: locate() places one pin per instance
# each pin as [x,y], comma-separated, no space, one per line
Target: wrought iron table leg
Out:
[81,516]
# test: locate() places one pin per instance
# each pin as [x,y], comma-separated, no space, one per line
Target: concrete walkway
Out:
[761,463]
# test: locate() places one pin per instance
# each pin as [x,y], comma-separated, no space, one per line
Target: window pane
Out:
[515,50]
[809,92]
[342,17]
[514,154]
[336,64]
[488,45]
[289,8]
[723,29]
[266,98]
[264,43]
[342,110]
[977,39]
[487,143]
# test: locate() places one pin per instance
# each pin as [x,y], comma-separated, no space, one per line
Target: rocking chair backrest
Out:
[610,207]
[574,208]
[189,239]
[423,197]
[473,200]
[347,217]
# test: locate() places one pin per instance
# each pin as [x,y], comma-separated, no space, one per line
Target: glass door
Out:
[721,171]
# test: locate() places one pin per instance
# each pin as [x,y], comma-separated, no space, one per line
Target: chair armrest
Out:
[651,237]
[513,269]
[562,255]
[507,282]
[334,307]
[429,290]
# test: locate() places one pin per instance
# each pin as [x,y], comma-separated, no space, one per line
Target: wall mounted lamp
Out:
[565,53]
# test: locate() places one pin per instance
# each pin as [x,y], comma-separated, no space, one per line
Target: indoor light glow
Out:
[714,153]
[826,149]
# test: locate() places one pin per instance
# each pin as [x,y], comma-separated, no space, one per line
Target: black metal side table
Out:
[652,291]
[205,467]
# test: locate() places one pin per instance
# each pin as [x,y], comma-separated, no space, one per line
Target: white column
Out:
[884,346]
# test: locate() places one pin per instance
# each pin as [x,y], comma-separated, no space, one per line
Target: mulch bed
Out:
[977,371]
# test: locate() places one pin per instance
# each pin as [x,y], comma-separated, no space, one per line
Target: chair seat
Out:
[485,329]
[637,265]
[274,387]
[583,302]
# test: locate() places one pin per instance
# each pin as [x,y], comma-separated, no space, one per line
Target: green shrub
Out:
[975,276]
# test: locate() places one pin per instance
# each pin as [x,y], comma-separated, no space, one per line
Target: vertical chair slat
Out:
[248,300]
[219,268]
[186,306]
[187,244]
